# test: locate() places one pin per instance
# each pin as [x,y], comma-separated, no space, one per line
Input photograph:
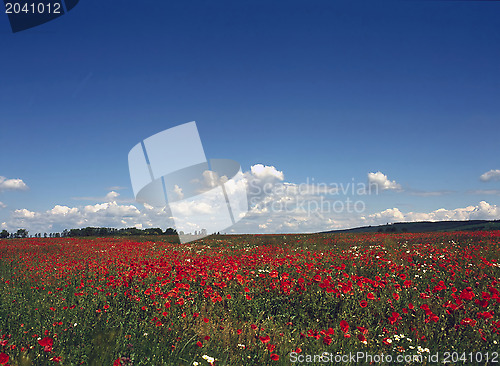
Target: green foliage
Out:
[245,298]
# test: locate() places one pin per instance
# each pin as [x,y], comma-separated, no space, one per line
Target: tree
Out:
[22,233]
[4,234]
[153,231]
[170,231]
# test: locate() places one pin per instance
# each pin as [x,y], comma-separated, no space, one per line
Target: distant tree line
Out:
[89,231]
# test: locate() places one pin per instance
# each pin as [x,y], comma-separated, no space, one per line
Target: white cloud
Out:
[389,215]
[108,214]
[178,192]
[482,211]
[260,171]
[2,205]
[380,181]
[111,196]
[492,175]
[276,206]
[12,184]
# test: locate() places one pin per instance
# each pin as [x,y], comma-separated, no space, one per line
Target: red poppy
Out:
[265,339]
[468,321]
[370,296]
[362,330]
[362,338]
[117,362]
[47,343]
[467,294]
[4,358]
[199,344]
[344,326]
[387,341]
[275,357]
[363,303]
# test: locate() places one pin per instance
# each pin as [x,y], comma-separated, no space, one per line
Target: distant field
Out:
[428,226]
[250,299]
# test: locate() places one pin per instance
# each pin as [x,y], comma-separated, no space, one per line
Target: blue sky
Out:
[333,92]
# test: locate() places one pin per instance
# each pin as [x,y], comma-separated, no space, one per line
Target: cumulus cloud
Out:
[482,211]
[178,192]
[2,205]
[381,182]
[275,206]
[263,172]
[492,175]
[108,214]
[12,184]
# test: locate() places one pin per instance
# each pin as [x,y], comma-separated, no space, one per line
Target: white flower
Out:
[75,324]
[195,363]
[208,358]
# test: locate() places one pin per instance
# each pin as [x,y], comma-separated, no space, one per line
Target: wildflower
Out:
[208,358]
[47,343]
[344,326]
[362,338]
[265,339]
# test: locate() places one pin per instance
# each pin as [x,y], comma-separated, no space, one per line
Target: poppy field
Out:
[247,299]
